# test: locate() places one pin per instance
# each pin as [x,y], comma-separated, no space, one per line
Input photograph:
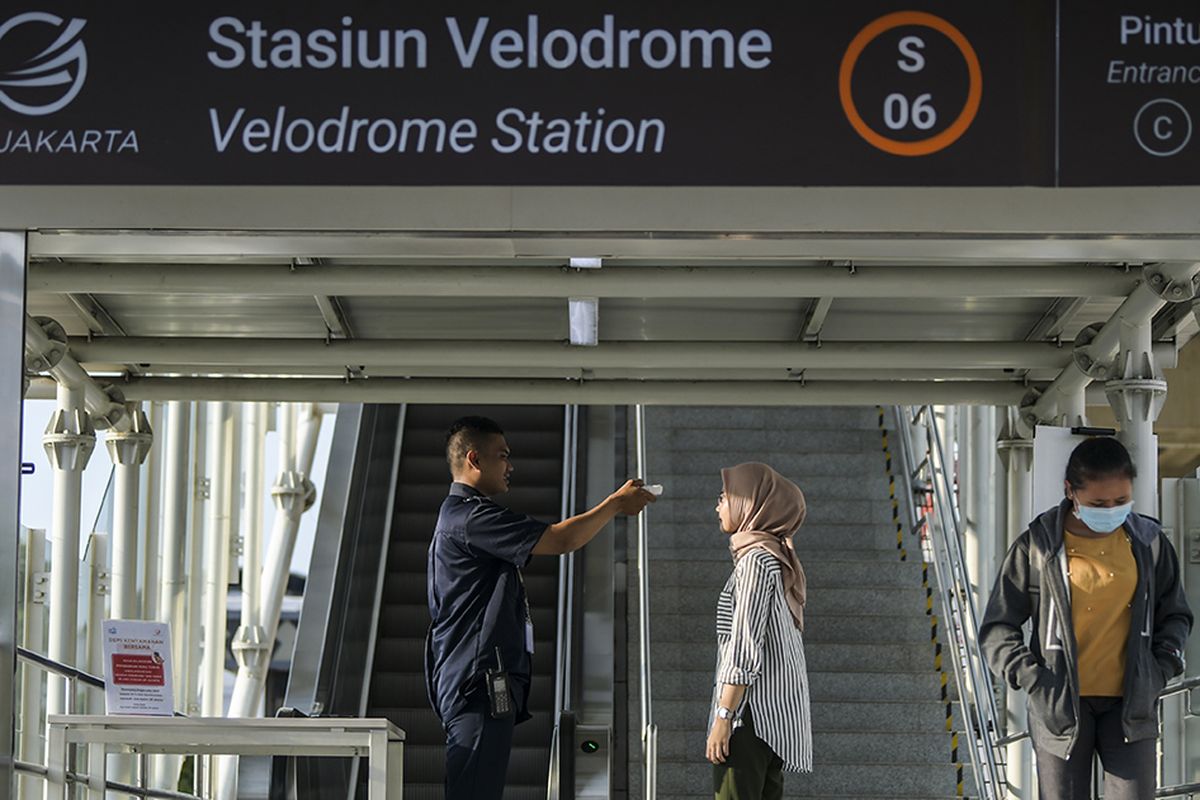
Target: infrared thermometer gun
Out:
[655,489]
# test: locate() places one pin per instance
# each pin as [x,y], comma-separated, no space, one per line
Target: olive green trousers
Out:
[752,771]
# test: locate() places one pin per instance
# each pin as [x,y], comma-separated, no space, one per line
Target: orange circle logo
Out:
[932,144]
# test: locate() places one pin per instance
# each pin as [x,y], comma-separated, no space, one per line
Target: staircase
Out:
[879,723]
[397,690]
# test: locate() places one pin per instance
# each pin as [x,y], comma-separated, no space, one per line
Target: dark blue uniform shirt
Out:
[477,600]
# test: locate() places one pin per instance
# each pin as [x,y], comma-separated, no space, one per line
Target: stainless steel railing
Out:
[934,510]
[649,729]
[1185,685]
[560,781]
[75,677]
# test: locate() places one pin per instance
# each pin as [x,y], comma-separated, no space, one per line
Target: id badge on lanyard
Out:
[528,616]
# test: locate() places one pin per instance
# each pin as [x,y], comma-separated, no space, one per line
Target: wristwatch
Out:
[724,713]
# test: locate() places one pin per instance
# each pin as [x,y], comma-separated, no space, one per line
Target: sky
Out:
[37,489]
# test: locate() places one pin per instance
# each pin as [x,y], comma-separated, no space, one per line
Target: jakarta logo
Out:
[51,63]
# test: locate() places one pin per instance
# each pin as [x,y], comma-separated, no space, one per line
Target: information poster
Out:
[137,657]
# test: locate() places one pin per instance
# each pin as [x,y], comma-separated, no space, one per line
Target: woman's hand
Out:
[718,741]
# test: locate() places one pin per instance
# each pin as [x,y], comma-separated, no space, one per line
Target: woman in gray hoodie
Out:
[1110,621]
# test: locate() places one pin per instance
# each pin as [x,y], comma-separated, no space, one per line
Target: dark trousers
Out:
[477,751]
[752,771]
[1130,771]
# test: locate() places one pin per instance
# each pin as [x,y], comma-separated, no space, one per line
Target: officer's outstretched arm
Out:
[571,534]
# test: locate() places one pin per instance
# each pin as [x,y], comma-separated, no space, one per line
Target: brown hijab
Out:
[767,509]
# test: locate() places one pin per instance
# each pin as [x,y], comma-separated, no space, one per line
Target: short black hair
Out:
[1096,458]
[466,434]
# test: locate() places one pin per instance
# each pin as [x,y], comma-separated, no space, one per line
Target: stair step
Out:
[821,574]
[914,657]
[736,441]
[421,726]
[813,538]
[819,488]
[398,650]
[844,716]
[538,500]
[700,510]
[404,617]
[872,780]
[411,557]
[819,628]
[669,599]
[541,589]
[696,684]
[831,749]
[792,421]
[543,469]
[527,765]
[807,555]
[436,791]
[525,442]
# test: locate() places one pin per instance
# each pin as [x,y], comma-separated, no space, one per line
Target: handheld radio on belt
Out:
[499,697]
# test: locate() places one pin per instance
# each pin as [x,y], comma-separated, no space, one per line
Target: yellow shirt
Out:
[1103,575]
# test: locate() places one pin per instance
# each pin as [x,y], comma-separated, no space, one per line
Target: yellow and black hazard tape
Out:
[892,491]
[943,677]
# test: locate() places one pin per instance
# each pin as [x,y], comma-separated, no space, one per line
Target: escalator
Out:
[331,678]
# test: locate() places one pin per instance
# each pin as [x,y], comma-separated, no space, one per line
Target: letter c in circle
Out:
[1163,122]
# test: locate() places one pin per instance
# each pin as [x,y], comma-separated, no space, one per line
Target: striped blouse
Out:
[760,647]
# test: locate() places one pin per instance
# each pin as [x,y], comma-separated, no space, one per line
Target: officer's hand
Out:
[632,498]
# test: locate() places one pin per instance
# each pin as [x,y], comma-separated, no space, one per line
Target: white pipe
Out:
[254,440]
[400,353]
[30,746]
[293,494]
[1136,397]
[759,393]
[385,280]
[172,607]
[172,597]
[1017,453]
[99,591]
[979,465]
[201,491]
[69,442]
[104,410]
[128,451]
[1141,305]
[216,561]
[152,502]
[286,413]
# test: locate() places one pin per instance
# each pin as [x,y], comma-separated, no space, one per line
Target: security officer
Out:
[478,651]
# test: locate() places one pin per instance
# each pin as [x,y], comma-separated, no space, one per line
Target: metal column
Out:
[69,441]
[1137,396]
[128,450]
[152,498]
[216,559]
[172,596]
[12,371]
[33,638]
[978,466]
[250,645]
[1016,453]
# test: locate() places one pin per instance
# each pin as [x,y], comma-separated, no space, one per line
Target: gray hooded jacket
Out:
[1033,585]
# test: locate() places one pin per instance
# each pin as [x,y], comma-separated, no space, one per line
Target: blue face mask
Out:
[1103,520]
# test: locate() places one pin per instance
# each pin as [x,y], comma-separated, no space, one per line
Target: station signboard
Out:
[820,93]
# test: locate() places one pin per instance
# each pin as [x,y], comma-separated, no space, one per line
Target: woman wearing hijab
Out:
[760,723]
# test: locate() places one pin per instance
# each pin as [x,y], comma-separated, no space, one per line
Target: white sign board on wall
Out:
[137,665]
